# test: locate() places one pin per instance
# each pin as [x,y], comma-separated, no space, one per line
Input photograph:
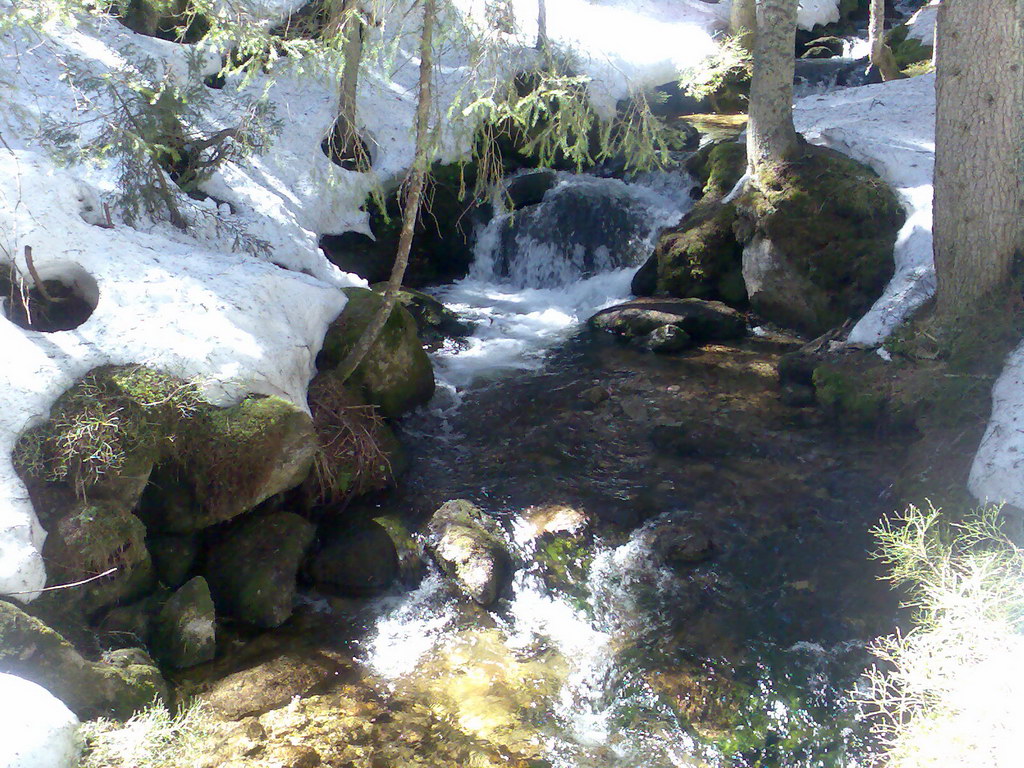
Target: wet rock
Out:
[468,545]
[251,571]
[797,395]
[353,558]
[33,651]
[174,557]
[434,321]
[682,543]
[269,685]
[529,188]
[667,340]
[396,373]
[293,756]
[36,729]
[673,439]
[184,633]
[595,395]
[92,538]
[703,320]
[552,520]
[634,408]
[798,368]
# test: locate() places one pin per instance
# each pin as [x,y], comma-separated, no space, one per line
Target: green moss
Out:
[396,373]
[850,401]
[836,221]
[114,419]
[702,259]
[907,50]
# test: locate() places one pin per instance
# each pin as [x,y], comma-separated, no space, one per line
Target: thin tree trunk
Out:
[743,21]
[542,26]
[771,138]
[410,212]
[881,54]
[979,135]
[346,142]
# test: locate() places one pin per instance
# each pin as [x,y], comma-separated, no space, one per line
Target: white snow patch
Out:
[814,12]
[36,729]
[997,474]
[922,24]
[889,127]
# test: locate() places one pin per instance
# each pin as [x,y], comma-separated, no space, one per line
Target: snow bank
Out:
[36,729]
[183,303]
[890,128]
[997,474]
[922,24]
[811,13]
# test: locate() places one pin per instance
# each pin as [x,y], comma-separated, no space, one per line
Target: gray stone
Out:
[185,630]
[468,546]
[703,321]
[667,339]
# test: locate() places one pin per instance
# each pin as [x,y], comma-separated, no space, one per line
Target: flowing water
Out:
[690,582]
[610,648]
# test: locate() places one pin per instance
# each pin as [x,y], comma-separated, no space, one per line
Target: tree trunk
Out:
[979,135]
[410,212]
[771,138]
[881,54]
[346,144]
[743,21]
[542,26]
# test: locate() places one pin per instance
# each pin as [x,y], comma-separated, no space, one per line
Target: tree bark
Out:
[542,26]
[410,212]
[743,21]
[771,138]
[881,54]
[345,137]
[979,135]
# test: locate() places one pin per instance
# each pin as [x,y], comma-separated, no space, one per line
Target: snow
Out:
[36,729]
[922,24]
[890,128]
[998,469]
[814,12]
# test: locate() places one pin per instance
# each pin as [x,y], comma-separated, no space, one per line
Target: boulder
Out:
[703,321]
[434,321]
[530,187]
[32,650]
[184,633]
[353,558]
[174,557]
[37,730]
[819,233]
[92,538]
[468,546]
[251,570]
[683,543]
[396,373]
[269,685]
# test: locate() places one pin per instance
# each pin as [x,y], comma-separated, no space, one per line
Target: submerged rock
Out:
[251,571]
[396,373]
[184,633]
[468,546]
[703,321]
[32,650]
[667,339]
[269,685]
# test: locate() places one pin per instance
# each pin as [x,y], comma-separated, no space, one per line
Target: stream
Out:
[713,602]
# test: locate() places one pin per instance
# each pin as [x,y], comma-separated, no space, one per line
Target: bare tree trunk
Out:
[410,212]
[979,136]
[771,138]
[346,144]
[542,25]
[743,21]
[881,54]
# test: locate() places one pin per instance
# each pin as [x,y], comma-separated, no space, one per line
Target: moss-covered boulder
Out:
[91,539]
[907,50]
[701,257]
[32,650]
[396,373]
[468,546]
[234,458]
[184,633]
[435,323]
[174,557]
[819,233]
[847,399]
[251,570]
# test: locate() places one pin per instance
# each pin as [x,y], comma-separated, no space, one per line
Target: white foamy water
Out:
[539,274]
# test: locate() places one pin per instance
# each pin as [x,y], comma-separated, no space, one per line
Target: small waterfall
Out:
[541,270]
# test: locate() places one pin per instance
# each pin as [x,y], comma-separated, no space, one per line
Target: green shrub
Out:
[155,737]
[951,692]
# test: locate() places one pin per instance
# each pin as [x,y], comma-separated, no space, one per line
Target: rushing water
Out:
[606,651]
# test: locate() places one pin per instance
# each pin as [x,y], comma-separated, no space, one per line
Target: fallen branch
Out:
[62,586]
